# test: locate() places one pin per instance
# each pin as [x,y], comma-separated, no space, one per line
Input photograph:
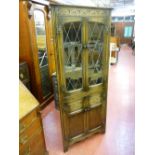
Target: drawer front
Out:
[25,150]
[29,132]
[27,121]
[35,145]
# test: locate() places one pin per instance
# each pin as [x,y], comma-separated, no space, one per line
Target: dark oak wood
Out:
[82,106]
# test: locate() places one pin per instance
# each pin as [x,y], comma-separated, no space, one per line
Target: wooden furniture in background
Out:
[114,49]
[82,61]
[55,87]
[24,74]
[119,31]
[36,47]
[31,135]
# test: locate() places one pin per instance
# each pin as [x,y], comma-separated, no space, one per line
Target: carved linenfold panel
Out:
[65,11]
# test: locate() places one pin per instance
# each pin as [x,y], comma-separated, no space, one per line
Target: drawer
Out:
[27,121]
[29,132]
[35,145]
[39,149]
[25,150]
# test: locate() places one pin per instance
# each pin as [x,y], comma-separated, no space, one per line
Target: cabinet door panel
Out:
[96,113]
[76,125]
[95,117]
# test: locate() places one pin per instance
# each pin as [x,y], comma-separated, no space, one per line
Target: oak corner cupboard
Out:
[82,60]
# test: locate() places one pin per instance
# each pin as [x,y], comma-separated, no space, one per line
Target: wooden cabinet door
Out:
[82,68]
[96,74]
[71,78]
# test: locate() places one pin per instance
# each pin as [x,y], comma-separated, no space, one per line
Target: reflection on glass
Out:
[95,50]
[72,55]
[42,50]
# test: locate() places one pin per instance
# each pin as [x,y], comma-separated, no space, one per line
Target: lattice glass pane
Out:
[95,50]
[72,55]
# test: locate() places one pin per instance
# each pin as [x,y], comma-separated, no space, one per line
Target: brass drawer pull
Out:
[23,140]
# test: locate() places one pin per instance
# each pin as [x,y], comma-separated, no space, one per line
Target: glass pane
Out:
[95,50]
[42,51]
[72,55]
[128,31]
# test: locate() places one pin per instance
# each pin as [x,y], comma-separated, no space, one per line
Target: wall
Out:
[119,31]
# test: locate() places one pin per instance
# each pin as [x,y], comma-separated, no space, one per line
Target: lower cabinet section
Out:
[84,120]
[31,138]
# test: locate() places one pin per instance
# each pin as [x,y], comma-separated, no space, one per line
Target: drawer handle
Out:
[23,140]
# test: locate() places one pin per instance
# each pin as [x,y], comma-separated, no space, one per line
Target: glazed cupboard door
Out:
[96,67]
[71,76]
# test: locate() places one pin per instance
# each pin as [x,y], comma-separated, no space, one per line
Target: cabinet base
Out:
[71,141]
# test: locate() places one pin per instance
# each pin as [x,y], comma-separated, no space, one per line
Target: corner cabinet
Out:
[82,60]
[36,47]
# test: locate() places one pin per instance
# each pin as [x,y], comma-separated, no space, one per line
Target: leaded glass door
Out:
[72,83]
[96,66]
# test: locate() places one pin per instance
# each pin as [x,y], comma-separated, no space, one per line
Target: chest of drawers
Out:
[31,134]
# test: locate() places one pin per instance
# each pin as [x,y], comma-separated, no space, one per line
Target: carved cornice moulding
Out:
[85,12]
